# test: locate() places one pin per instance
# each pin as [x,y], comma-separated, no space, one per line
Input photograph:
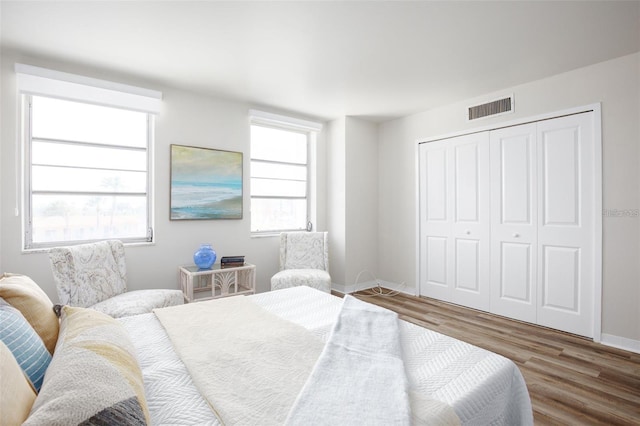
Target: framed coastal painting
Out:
[205,183]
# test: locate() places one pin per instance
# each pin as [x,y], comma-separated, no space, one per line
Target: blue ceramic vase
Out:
[204,257]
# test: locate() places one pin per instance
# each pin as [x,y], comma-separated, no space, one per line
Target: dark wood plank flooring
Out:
[571,380]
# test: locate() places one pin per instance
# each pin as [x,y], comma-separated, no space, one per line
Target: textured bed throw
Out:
[360,379]
[247,363]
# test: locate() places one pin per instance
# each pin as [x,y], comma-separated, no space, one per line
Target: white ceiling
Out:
[373,59]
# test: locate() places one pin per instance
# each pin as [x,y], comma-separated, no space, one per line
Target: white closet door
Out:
[514,222]
[435,221]
[566,223]
[454,185]
[469,177]
[508,221]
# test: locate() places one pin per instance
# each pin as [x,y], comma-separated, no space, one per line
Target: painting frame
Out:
[205,183]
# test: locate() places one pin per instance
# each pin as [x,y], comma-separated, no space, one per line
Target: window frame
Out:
[28,192]
[310,130]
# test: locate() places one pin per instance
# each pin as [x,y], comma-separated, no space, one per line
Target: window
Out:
[281,154]
[87,170]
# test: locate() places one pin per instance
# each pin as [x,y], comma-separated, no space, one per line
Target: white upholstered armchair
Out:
[304,260]
[94,276]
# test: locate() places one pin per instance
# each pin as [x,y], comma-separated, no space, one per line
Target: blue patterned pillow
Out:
[25,344]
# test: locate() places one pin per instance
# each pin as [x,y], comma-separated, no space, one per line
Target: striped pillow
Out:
[25,344]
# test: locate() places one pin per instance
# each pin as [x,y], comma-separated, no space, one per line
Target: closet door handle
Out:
[516,235]
[467,232]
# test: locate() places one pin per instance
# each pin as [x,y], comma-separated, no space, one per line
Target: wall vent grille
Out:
[499,106]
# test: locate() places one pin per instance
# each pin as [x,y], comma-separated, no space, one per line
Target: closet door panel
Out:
[467,182]
[454,220]
[515,177]
[513,291]
[436,185]
[436,255]
[513,222]
[515,274]
[470,227]
[560,149]
[435,221]
[566,223]
[467,265]
[561,278]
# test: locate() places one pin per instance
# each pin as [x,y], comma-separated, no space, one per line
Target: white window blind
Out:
[87,158]
[42,81]
[281,172]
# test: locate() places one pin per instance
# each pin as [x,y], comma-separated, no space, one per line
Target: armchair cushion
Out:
[315,278]
[139,302]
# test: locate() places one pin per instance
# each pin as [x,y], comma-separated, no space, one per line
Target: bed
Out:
[482,387]
[478,386]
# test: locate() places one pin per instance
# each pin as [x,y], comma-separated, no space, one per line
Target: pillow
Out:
[94,376]
[25,344]
[17,396]
[25,295]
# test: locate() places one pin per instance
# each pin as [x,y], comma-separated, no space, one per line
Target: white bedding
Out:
[360,366]
[482,387]
[248,363]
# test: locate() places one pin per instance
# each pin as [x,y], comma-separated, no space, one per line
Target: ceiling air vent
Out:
[490,109]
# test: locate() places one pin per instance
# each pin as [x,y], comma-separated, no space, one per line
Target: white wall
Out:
[352,201]
[361,260]
[616,84]
[336,199]
[186,119]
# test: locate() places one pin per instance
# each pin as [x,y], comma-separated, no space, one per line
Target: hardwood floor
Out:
[571,380]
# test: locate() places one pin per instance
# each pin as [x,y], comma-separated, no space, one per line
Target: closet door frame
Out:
[596,268]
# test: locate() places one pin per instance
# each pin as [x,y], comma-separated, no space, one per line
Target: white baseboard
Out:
[402,288]
[620,342]
[352,288]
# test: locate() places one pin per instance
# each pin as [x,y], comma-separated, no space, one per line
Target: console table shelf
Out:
[205,284]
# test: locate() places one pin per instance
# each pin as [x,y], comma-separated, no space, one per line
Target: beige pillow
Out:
[17,395]
[34,304]
[94,376]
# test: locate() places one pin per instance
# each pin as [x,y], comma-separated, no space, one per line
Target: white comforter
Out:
[482,387]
